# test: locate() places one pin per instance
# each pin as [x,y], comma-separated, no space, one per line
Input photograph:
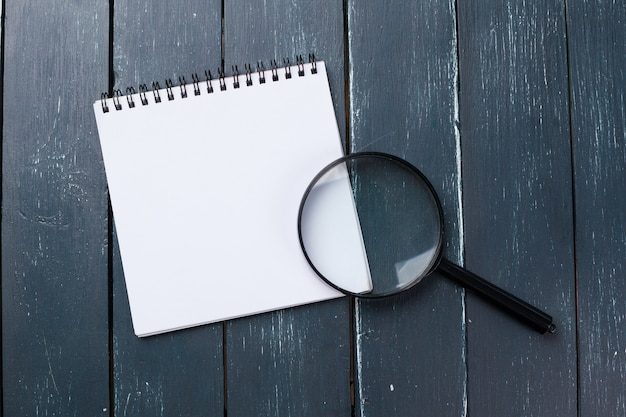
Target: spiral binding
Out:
[195,87]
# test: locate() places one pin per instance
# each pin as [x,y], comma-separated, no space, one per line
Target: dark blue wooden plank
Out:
[179,373]
[54,212]
[517,203]
[294,361]
[410,356]
[597,48]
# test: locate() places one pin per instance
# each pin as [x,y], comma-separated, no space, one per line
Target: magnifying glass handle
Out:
[529,314]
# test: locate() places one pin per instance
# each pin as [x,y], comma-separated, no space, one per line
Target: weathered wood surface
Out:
[518,203]
[410,353]
[55,332]
[514,110]
[597,47]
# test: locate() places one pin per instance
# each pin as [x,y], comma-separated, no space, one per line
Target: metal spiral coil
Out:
[275,70]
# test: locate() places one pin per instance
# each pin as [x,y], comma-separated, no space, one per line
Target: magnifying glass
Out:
[371,225]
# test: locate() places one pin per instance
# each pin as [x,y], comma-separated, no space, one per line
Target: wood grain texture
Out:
[54,212]
[597,45]
[410,356]
[178,374]
[497,114]
[294,362]
[517,204]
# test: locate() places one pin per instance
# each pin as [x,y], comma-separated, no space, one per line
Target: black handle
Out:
[527,313]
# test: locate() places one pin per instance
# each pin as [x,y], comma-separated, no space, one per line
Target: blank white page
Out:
[205,192]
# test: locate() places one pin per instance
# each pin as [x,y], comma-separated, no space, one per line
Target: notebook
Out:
[205,181]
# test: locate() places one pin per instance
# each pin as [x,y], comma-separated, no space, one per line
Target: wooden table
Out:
[516,111]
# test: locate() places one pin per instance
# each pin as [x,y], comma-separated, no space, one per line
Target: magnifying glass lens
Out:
[370,224]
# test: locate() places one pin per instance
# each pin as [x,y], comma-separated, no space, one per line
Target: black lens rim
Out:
[377,155]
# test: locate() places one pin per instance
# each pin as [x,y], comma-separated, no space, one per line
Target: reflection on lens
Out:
[417,266]
[370,224]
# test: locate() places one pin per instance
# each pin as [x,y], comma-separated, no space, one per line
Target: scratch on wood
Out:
[54,383]
[359,357]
